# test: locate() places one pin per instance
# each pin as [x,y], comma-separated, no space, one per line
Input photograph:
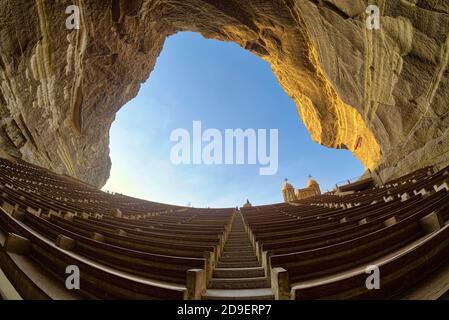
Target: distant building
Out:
[288,191]
[247,204]
[289,194]
[312,189]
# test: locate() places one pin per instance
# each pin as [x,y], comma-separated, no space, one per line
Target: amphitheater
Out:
[382,94]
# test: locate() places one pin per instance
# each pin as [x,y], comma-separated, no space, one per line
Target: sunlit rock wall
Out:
[383,94]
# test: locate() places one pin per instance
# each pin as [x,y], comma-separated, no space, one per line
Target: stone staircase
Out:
[238,274]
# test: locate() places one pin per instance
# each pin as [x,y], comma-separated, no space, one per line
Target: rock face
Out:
[383,94]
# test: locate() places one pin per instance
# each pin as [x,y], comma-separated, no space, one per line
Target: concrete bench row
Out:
[325,254]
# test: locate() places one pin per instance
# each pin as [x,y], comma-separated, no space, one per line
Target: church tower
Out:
[313,185]
[312,189]
[247,204]
[288,192]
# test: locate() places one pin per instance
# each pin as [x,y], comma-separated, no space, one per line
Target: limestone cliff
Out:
[383,94]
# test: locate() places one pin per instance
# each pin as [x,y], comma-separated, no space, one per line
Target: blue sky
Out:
[224,87]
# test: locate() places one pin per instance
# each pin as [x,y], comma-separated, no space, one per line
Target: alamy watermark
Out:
[373,19]
[73,21]
[372,282]
[72,282]
[211,147]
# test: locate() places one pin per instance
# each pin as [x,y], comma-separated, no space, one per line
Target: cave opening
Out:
[225,87]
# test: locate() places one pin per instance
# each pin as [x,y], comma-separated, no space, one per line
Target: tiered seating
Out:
[125,248]
[325,243]
[62,193]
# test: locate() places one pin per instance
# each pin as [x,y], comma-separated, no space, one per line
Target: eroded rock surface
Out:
[383,94]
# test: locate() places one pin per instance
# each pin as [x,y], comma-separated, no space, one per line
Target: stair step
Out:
[239,272]
[238,259]
[239,248]
[238,239]
[239,243]
[241,294]
[240,252]
[245,242]
[245,249]
[234,254]
[238,283]
[238,264]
